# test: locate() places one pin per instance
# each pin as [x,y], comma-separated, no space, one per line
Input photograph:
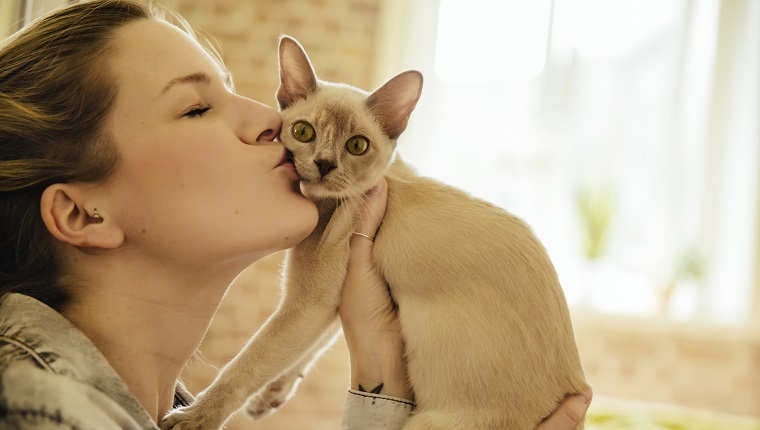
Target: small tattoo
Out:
[375,390]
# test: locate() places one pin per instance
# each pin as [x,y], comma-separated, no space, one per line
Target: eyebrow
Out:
[197,77]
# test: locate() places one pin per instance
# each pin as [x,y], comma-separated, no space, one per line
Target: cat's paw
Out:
[192,418]
[271,397]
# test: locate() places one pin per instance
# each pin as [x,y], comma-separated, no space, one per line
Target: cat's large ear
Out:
[394,101]
[297,77]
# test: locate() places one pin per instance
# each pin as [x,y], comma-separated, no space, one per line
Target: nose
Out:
[269,134]
[260,123]
[324,166]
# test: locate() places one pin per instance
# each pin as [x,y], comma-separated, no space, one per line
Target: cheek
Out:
[281,218]
[304,159]
[366,168]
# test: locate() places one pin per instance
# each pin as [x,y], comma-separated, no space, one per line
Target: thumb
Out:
[372,211]
[568,415]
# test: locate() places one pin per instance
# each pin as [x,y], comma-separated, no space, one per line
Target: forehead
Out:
[340,111]
[149,53]
[339,114]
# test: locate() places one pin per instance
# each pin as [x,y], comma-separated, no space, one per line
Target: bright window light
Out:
[491,40]
[627,26]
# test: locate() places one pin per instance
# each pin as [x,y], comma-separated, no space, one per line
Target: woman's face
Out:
[200,180]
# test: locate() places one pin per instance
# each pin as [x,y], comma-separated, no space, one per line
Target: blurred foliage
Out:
[690,264]
[595,206]
[630,415]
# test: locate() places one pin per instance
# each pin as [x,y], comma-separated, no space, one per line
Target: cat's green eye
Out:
[357,145]
[303,131]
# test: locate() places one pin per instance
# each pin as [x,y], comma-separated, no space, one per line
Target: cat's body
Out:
[488,336]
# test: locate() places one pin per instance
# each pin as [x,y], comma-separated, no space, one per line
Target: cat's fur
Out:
[488,335]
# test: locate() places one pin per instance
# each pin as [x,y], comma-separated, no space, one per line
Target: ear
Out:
[297,77]
[71,221]
[394,101]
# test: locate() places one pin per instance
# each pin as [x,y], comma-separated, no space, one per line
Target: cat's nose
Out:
[324,166]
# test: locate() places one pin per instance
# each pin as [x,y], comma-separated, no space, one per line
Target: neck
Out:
[147,326]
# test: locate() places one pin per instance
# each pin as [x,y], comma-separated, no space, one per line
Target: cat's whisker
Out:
[360,196]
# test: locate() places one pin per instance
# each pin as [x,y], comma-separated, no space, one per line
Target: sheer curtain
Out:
[631,144]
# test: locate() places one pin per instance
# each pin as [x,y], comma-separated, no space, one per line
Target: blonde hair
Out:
[54,96]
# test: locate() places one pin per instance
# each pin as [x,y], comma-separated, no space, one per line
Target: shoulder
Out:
[52,377]
[33,398]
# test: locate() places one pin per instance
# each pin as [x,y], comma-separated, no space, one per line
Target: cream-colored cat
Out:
[488,335]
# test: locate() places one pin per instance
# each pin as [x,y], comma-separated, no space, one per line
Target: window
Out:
[464,49]
[625,133]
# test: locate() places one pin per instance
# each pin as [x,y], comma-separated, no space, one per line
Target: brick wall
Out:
[339,36]
[697,365]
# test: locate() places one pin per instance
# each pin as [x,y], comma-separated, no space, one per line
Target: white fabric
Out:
[368,411]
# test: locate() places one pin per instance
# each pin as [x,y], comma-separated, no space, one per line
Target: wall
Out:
[338,35]
[9,17]
[696,365]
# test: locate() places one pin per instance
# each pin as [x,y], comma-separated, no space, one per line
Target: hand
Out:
[367,312]
[569,414]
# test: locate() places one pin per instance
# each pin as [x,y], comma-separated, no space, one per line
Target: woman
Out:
[135,185]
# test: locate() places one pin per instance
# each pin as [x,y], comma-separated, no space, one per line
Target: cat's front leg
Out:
[276,393]
[283,340]
[321,257]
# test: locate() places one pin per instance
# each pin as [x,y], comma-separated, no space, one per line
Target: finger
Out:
[370,217]
[569,414]
[372,212]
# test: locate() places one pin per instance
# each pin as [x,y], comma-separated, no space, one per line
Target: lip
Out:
[284,158]
[286,162]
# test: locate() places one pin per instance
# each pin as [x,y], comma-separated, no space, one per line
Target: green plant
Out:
[595,206]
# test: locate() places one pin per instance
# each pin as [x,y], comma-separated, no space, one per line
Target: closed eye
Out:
[197,111]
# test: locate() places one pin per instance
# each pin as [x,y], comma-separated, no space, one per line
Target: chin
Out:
[302,226]
[311,215]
